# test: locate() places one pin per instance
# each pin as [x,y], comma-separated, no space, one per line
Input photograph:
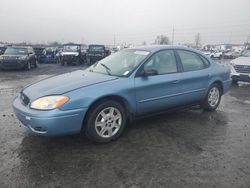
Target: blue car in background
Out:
[129,84]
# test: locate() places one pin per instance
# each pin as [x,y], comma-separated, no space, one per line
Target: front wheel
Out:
[213,97]
[28,66]
[105,122]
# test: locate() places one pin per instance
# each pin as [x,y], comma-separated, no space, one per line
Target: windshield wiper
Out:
[106,68]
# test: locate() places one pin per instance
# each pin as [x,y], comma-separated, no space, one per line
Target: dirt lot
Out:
[189,148]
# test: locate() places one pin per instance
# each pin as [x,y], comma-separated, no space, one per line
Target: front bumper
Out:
[240,77]
[49,123]
[13,64]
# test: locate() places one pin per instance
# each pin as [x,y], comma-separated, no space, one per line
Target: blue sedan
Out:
[129,84]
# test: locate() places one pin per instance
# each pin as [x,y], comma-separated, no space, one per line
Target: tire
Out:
[36,64]
[213,98]
[62,62]
[103,126]
[28,66]
[212,56]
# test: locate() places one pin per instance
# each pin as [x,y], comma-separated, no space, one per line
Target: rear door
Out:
[194,77]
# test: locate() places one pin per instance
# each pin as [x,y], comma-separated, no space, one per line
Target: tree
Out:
[197,40]
[144,43]
[161,39]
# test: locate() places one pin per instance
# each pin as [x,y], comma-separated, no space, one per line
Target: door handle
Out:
[175,81]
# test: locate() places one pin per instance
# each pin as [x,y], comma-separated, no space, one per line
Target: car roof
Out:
[155,48]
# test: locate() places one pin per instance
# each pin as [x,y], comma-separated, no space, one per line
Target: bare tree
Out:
[161,39]
[144,43]
[197,40]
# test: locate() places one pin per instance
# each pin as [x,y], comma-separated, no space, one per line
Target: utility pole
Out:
[114,41]
[230,36]
[173,36]
[247,42]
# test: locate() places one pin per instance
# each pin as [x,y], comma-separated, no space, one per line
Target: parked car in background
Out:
[49,55]
[97,52]
[17,57]
[2,49]
[240,68]
[213,54]
[114,50]
[231,54]
[39,53]
[129,84]
[72,54]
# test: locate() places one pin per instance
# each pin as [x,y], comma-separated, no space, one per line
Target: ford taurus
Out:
[129,84]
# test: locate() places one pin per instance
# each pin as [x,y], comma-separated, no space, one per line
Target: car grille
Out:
[25,100]
[242,68]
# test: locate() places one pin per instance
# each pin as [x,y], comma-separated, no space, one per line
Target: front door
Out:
[160,91]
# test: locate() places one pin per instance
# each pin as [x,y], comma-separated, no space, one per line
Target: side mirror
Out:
[149,72]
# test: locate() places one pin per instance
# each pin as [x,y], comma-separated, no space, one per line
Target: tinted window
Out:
[190,61]
[164,62]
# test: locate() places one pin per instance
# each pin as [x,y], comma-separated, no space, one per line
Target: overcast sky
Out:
[131,21]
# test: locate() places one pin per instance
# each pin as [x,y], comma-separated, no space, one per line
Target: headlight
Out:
[76,54]
[22,57]
[49,102]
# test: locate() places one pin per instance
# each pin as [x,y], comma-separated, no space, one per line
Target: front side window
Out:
[163,62]
[190,61]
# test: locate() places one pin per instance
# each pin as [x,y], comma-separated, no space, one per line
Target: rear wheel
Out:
[36,64]
[105,122]
[213,97]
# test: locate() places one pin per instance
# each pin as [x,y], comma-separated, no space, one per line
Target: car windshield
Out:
[71,48]
[96,48]
[16,51]
[121,63]
[246,54]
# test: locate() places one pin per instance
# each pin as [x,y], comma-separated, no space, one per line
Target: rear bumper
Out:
[49,123]
[13,64]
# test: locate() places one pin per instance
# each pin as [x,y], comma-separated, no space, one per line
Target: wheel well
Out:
[116,98]
[220,84]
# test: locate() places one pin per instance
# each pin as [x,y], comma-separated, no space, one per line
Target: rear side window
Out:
[164,62]
[190,61]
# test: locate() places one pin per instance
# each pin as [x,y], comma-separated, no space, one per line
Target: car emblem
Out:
[245,67]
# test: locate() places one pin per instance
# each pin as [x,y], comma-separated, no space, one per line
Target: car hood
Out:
[64,83]
[242,61]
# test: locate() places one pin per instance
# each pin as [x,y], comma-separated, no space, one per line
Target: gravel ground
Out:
[188,148]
